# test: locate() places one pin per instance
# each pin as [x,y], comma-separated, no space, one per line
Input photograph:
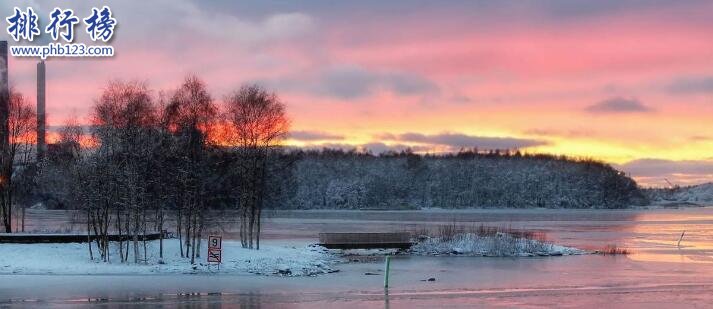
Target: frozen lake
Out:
[656,274]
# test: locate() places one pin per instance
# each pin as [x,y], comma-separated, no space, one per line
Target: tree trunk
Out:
[9,208]
[243,223]
[193,240]
[146,259]
[23,217]
[2,200]
[260,197]
[160,230]
[200,234]
[179,228]
[96,233]
[128,232]
[121,241]
[251,225]
[188,233]
[106,233]
[136,236]
[89,238]
[257,237]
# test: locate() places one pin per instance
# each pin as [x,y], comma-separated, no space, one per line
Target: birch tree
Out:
[259,124]
[17,156]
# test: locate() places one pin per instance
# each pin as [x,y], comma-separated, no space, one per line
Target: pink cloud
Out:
[502,71]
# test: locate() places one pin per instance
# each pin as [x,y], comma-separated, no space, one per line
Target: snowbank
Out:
[698,194]
[499,245]
[74,259]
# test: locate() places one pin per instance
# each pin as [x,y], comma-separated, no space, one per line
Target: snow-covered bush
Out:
[499,244]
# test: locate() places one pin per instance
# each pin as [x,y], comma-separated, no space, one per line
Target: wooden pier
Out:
[27,238]
[365,240]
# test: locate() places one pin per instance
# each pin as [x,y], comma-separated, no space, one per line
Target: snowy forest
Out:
[336,179]
[349,179]
[178,154]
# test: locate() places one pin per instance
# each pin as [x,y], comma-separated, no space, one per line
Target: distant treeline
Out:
[337,179]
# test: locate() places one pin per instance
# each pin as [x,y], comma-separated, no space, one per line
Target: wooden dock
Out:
[365,240]
[27,238]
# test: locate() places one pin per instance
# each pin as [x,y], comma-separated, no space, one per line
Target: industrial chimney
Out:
[41,118]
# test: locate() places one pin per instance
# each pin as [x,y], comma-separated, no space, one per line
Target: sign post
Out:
[215,247]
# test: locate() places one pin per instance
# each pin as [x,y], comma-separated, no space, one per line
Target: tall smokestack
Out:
[4,115]
[41,119]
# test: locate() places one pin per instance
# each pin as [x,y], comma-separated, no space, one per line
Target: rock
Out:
[38,206]
[284,270]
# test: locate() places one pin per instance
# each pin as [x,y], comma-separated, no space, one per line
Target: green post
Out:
[386,272]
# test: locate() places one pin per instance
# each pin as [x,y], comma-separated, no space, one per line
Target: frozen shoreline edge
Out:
[270,260]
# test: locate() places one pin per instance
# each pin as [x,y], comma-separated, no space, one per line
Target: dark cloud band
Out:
[619,105]
[459,140]
[314,136]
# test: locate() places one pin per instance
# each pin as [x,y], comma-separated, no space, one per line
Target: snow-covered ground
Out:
[699,194]
[499,245]
[73,258]
[271,259]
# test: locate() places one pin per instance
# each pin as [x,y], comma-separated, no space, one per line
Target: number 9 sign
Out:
[214,242]
[214,249]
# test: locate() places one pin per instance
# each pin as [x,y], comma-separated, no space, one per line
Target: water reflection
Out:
[638,230]
[656,237]
[651,235]
[191,300]
[386,298]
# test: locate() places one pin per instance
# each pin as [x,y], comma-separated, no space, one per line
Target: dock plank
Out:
[365,240]
[27,238]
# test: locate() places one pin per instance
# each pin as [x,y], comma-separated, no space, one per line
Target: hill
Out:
[350,180]
[699,194]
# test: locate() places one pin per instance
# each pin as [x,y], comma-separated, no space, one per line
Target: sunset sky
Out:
[626,82]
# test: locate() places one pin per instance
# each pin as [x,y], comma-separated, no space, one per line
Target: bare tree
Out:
[71,134]
[18,155]
[259,124]
[190,114]
[125,125]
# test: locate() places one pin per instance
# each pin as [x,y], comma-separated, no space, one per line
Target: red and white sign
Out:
[215,245]
[214,256]
[215,242]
